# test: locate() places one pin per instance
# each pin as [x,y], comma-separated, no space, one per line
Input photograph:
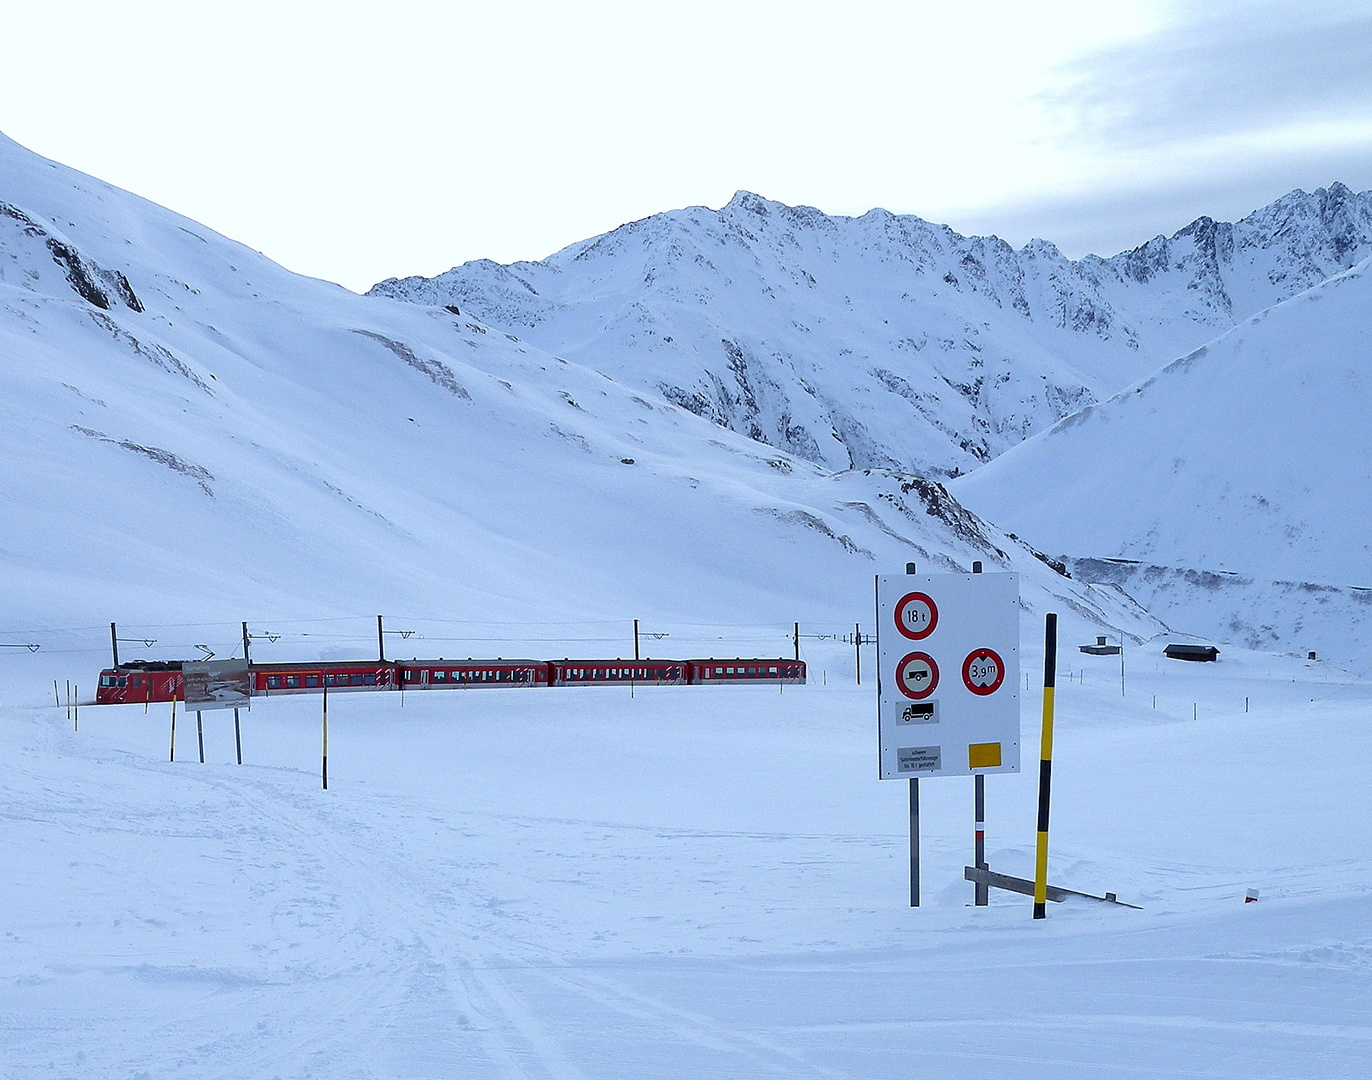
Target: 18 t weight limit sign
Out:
[916,615]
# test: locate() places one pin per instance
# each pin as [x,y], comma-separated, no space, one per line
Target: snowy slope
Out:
[1248,456]
[594,883]
[885,340]
[688,889]
[196,434]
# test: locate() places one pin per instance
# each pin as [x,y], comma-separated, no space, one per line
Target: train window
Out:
[355,680]
[369,679]
[292,681]
[771,671]
[411,676]
[311,680]
[273,682]
[439,676]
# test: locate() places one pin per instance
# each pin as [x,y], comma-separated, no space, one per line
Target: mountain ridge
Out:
[884,340]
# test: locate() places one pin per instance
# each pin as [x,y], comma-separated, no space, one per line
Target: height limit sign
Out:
[948,686]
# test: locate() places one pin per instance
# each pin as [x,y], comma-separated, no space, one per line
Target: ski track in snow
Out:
[446,911]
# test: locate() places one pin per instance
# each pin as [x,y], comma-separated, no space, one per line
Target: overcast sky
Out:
[358,141]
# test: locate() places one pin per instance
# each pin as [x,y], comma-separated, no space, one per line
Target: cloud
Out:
[1234,68]
[1215,112]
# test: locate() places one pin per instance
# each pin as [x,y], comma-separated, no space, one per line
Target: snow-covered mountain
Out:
[191,430]
[886,341]
[1246,459]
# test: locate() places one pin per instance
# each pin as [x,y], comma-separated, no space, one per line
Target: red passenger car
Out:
[616,672]
[707,672]
[312,678]
[457,674]
[140,681]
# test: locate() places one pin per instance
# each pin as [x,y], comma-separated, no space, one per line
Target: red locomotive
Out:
[160,680]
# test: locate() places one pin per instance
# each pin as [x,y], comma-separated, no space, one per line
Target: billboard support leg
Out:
[237,737]
[200,735]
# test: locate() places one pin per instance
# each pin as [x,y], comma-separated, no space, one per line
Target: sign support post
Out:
[914,841]
[981,891]
[237,737]
[1050,673]
[200,735]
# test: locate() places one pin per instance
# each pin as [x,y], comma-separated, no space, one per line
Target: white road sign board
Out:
[948,685]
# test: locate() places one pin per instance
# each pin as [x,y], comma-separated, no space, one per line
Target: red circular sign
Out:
[917,675]
[983,671]
[916,615]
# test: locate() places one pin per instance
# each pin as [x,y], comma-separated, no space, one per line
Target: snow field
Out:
[688,882]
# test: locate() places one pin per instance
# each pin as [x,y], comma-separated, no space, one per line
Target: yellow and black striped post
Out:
[1050,676]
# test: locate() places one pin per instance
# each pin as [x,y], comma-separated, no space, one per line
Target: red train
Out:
[160,680]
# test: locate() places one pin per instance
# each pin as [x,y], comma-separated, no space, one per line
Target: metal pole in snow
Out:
[200,735]
[981,891]
[172,756]
[237,737]
[857,649]
[325,758]
[914,796]
[914,841]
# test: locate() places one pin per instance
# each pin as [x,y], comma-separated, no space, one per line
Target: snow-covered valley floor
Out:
[689,883]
